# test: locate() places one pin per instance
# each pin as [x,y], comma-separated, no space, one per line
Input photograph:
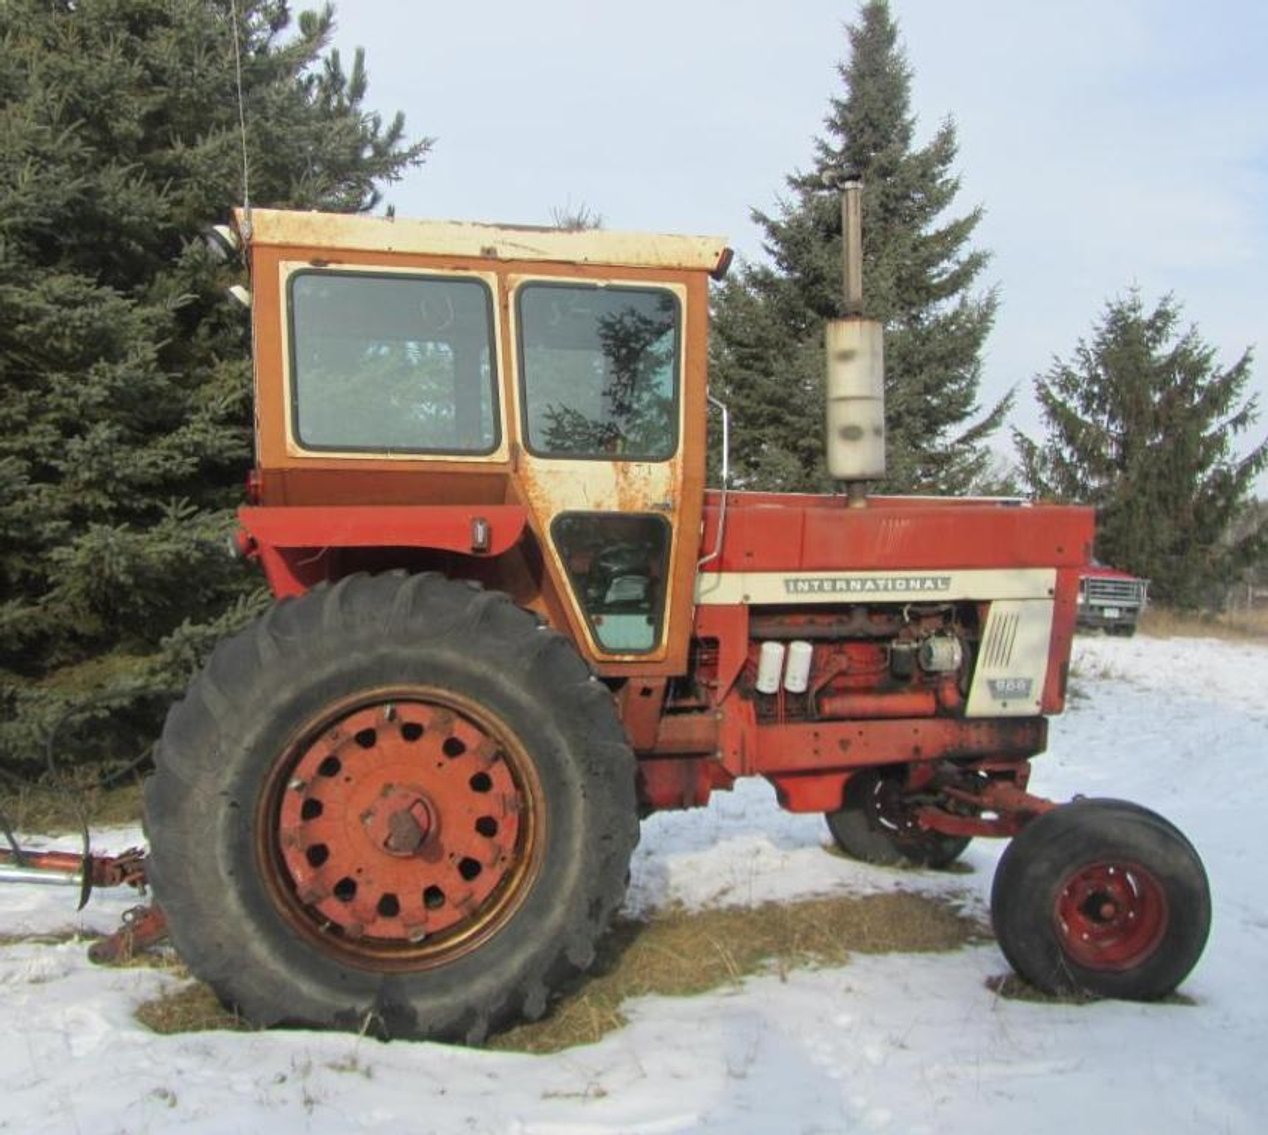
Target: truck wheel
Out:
[1104,898]
[396,804]
[874,824]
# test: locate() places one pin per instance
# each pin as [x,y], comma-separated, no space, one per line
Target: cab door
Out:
[603,459]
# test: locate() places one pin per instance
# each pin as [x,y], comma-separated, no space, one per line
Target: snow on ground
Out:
[907,1044]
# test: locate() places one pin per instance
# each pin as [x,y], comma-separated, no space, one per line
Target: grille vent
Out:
[1117,592]
[1001,637]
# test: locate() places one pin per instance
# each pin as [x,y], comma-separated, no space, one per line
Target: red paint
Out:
[384,829]
[295,544]
[1001,807]
[143,927]
[788,532]
[809,792]
[921,702]
[126,869]
[1111,916]
[839,745]
[696,738]
[680,782]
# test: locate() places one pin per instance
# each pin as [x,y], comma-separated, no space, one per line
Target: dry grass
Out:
[677,954]
[1014,988]
[680,953]
[191,1008]
[1235,626]
[47,811]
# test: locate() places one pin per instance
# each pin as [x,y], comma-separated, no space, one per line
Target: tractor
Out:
[510,620]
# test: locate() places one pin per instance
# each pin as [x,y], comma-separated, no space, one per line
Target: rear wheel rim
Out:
[1111,916]
[401,829]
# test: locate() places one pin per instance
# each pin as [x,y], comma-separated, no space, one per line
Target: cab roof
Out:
[353,232]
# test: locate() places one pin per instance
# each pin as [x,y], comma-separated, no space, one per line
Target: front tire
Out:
[396,803]
[1101,897]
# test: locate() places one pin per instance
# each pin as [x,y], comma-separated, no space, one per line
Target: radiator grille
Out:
[1116,592]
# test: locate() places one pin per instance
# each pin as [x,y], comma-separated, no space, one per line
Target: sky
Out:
[1112,143]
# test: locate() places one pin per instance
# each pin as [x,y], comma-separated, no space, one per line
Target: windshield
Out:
[599,367]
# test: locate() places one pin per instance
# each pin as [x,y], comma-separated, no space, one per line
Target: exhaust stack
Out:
[855,369]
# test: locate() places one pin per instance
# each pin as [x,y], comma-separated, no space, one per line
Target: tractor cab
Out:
[448,388]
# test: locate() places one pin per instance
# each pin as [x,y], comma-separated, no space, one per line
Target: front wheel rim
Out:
[1111,916]
[401,829]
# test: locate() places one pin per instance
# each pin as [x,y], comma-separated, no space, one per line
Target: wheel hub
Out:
[399,822]
[1111,916]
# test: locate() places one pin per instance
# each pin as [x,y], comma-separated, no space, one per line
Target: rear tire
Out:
[1101,897]
[874,825]
[396,803]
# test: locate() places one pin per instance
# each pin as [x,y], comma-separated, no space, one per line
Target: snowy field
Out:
[910,1044]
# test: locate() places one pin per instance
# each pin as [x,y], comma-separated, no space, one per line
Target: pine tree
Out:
[124,379]
[1141,422]
[918,271]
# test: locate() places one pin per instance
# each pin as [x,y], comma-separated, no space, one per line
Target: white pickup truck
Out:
[1111,600]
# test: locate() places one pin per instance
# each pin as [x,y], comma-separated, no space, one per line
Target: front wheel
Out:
[396,803]
[1104,898]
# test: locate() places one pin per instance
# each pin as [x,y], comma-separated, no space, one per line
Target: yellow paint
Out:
[345,233]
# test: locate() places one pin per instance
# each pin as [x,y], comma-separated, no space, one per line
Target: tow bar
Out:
[143,926]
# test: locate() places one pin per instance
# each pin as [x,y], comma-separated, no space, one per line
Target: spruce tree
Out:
[1142,423]
[124,373]
[919,273]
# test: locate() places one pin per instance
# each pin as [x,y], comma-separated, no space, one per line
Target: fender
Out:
[291,542]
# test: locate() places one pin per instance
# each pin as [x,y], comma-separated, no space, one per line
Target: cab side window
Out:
[392,363]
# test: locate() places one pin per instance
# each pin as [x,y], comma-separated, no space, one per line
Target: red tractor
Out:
[511,619]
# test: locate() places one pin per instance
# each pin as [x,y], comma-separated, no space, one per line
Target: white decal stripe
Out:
[762,588]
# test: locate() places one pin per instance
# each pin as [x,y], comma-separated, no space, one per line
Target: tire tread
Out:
[193,816]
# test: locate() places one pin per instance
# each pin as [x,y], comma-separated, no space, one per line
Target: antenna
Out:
[242,121]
